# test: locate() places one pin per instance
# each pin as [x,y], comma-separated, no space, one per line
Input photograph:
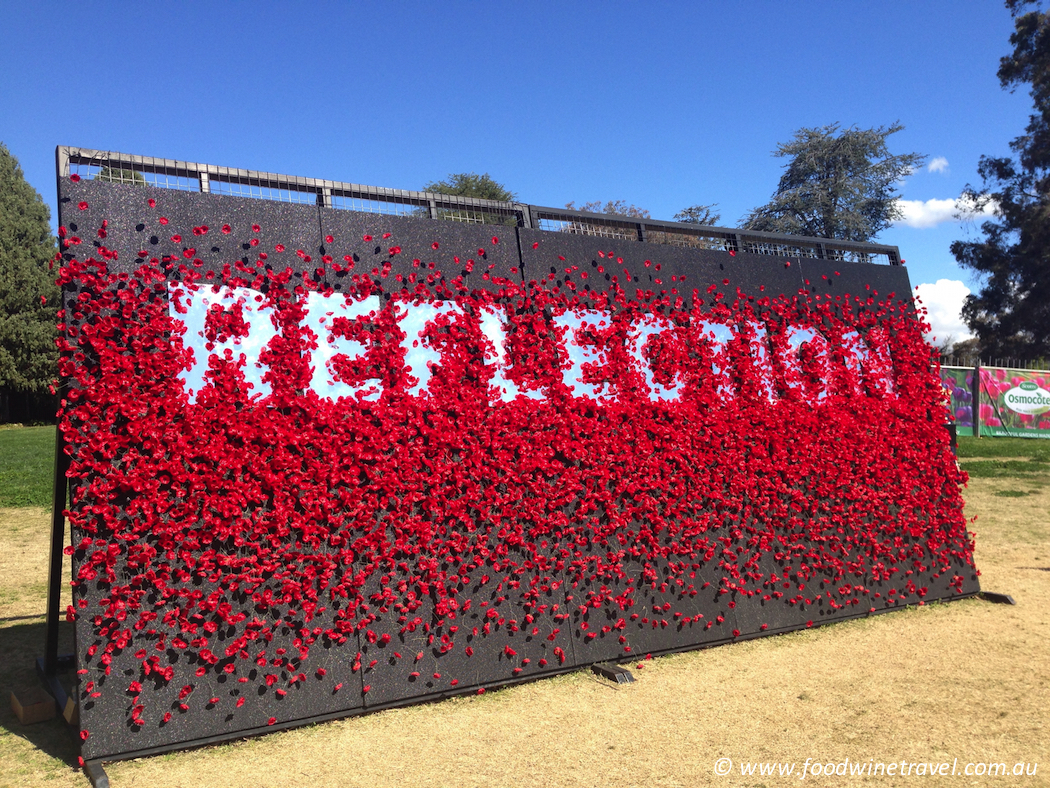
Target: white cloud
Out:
[943,301]
[940,164]
[922,214]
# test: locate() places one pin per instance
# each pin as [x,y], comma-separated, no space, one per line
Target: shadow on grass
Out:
[20,645]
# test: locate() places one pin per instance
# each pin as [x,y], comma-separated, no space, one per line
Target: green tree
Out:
[836,184]
[1011,313]
[699,214]
[470,184]
[28,295]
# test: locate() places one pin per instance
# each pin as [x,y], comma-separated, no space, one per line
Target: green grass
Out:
[1026,459]
[1004,447]
[1016,469]
[27,466]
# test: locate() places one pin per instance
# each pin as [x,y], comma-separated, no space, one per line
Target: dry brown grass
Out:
[967,680]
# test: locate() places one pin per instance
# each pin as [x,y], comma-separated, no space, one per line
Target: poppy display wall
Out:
[323,462]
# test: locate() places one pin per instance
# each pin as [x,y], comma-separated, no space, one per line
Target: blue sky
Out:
[663,105]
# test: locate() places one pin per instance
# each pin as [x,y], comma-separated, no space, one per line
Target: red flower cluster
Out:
[601,445]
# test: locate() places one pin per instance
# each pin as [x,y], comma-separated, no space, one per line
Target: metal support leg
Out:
[58,544]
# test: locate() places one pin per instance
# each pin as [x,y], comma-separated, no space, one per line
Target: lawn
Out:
[27,466]
[967,680]
[1004,447]
[1021,465]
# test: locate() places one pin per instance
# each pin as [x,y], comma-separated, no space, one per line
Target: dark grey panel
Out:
[108,717]
[586,267]
[681,608]
[419,653]
[841,281]
[653,271]
[462,257]
[183,227]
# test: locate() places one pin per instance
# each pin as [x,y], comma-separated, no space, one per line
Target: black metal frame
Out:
[58,539]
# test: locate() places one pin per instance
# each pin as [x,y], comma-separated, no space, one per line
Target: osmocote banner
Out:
[1015,403]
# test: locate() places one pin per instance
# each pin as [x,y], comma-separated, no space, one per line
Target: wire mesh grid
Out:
[465,216]
[689,240]
[780,249]
[387,207]
[854,256]
[477,215]
[589,226]
[262,192]
[122,172]
[812,251]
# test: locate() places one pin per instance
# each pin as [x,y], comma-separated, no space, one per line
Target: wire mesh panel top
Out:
[593,226]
